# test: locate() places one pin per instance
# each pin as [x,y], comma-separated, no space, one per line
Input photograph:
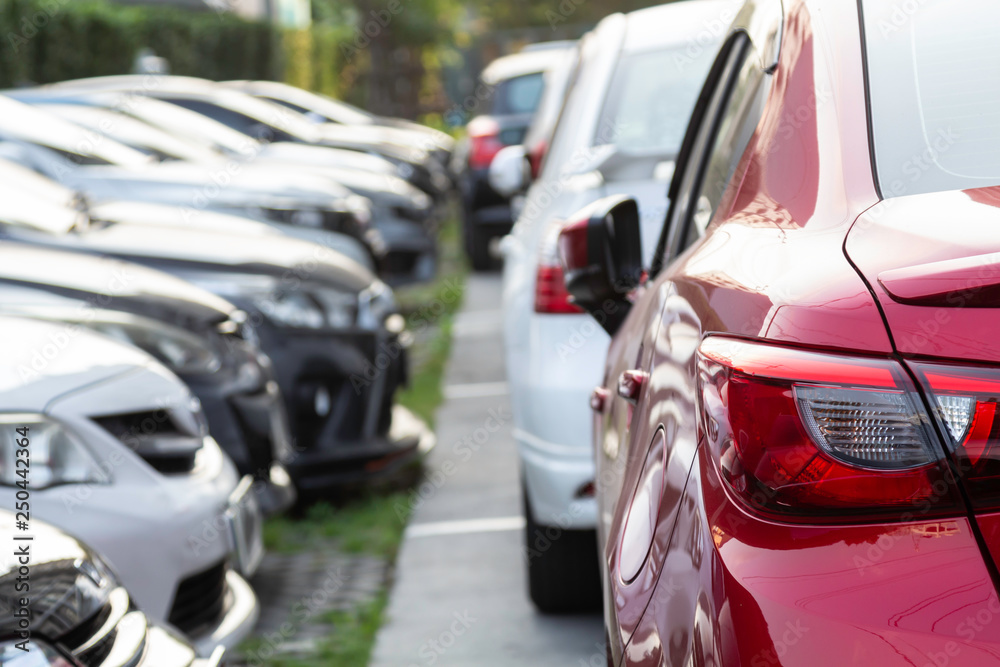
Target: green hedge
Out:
[53,40]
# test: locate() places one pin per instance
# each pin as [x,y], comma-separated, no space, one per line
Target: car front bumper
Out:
[246,416]
[339,388]
[410,249]
[236,624]
[407,441]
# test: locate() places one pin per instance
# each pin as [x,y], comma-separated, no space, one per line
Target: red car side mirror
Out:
[601,254]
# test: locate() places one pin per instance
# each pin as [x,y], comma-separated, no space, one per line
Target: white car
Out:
[120,457]
[619,133]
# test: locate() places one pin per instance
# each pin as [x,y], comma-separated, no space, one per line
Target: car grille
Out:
[259,442]
[84,632]
[137,428]
[412,214]
[350,417]
[200,599]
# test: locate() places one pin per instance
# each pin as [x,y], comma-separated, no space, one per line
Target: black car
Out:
[330,327]
[511,89]
[205,340]
[80,614]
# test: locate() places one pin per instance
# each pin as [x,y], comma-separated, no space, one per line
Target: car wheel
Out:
[563,575]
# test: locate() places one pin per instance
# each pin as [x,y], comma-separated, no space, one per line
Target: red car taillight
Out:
[484,142]
[965,400]
[815,437]
[550,291]
[550,281]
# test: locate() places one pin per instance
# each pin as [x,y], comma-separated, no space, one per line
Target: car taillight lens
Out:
[550,292]
[551,295]
[815,437]
[484,142]
[964,399]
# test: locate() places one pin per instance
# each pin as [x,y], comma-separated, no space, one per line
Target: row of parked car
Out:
[750,303]
[196,294]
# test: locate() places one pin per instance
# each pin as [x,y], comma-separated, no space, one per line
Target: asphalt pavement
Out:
[459,595]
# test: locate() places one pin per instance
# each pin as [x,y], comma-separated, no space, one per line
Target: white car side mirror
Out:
[510,172]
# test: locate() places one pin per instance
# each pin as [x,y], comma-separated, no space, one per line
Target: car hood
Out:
[173,248]
[442,140]
[111,283]
[42,361]
[206,185]
[386,140]
[933,263]
[385,189]
[307,154]
[161,215]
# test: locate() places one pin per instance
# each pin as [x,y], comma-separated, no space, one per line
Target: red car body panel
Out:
[943,270]
[691,577]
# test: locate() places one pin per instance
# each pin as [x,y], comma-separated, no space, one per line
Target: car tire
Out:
[563,574]
[478,246]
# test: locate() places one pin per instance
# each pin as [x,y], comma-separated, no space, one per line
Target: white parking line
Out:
[437,528]
[475,390]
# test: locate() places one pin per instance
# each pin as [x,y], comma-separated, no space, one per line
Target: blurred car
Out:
[332,330]
[403,220]
[620,132]
[84,616]
[538,137]
[203,339]
[515,84]
[797,436]
[323,109]
[120,455]
[271,122]
[107,170]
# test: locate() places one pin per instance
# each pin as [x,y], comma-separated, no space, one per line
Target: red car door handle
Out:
[630,384]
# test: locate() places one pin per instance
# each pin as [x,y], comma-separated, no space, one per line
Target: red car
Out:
[796,435]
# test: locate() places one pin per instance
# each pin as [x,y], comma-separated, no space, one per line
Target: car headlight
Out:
[293,309]
[296,304]
[75,584]
[375,304]
[307,218]
[56,454]
[361,208]
[181,351]
[405,171]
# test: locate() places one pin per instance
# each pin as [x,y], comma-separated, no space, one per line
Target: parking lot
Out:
[342,333]
[459,593]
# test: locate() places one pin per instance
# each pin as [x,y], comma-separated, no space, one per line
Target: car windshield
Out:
[333,110]
[518,95]
[650,100]
[21,122]
[132,132]
[934,89]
